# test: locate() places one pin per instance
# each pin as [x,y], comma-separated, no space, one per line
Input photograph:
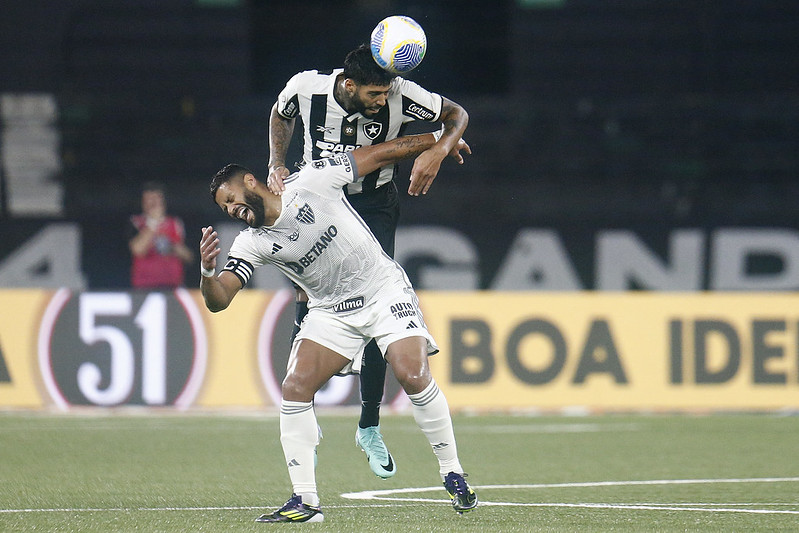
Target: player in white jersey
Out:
[362,105]
[319,241]
[356,293]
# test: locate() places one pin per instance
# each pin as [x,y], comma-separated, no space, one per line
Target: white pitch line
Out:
[635,507]
[384,495]
[401,501]
[124,509]
[379,494]
[727,504]
[147,509]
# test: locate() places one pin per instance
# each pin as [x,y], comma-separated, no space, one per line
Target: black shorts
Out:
[380,210]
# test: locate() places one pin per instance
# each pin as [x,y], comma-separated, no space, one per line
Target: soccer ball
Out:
[398,44]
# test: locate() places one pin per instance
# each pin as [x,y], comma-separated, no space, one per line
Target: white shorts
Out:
[349,329]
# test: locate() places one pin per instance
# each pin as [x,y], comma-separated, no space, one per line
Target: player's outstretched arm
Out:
[372,157]
[218,289]
[454,120]
[280,131]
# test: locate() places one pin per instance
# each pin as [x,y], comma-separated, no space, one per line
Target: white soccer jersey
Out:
[320,242]
[330,129]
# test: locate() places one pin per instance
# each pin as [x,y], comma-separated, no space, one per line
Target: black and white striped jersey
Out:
[330,129]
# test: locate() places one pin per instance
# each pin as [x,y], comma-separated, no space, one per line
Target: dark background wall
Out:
[645,114]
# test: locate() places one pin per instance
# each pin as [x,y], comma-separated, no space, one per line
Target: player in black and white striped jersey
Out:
[341,110]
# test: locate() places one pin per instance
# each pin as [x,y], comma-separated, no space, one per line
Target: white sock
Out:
[431,412]
[299,435]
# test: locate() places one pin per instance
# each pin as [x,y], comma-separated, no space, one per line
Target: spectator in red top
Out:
[157,243]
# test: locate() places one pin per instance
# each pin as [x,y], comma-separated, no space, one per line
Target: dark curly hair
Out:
[360,67]
[227,173]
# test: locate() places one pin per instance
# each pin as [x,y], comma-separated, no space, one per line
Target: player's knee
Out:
[295,390]
[414,381]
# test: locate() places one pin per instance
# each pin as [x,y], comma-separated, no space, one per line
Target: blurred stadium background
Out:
[623,243]
[646,146]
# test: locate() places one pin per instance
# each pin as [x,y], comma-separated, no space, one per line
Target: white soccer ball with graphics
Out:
[398,44]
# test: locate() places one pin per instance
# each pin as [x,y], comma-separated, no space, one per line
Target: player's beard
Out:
[361,108]
[255,204]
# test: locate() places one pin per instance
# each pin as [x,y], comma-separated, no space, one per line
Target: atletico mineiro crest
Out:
[305,215]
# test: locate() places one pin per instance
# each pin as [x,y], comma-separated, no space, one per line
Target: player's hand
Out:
[455,153]
[425,169]
[209,248]
[274,181]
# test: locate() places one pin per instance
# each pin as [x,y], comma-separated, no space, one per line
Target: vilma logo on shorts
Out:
[349,305]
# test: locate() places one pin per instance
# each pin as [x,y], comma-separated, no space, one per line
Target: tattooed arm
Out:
[370,158]
[425,169]
[280,131]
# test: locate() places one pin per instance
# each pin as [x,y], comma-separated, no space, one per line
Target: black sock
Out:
[373,381]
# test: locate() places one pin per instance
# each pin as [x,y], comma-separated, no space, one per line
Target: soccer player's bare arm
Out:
[218,290]
[454,118]
[425,169]
[370,158]
[280,132]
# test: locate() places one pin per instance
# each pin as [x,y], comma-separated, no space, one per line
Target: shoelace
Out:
[294,501]
[460,488]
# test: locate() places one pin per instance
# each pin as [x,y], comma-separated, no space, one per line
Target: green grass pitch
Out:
[166,472]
